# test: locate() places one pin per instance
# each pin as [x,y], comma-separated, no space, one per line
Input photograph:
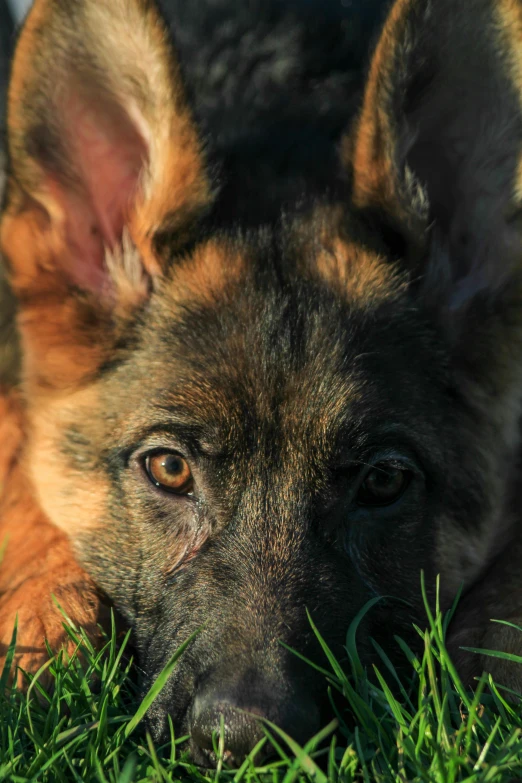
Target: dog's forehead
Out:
[265,331]
[272,298]
[324,247]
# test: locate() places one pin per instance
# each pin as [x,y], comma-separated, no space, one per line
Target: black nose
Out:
[242,722]
[241,732]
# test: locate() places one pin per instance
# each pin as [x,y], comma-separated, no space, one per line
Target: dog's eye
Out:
[169,471]
[383,485]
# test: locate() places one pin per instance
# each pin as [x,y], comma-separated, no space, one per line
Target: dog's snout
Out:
[241,728]
[238,723]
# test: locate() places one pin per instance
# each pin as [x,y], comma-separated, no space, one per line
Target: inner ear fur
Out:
[102,145]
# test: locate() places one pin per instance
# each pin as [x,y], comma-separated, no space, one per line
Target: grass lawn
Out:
[423,728]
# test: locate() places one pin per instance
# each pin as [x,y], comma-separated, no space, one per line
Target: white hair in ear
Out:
[129,282]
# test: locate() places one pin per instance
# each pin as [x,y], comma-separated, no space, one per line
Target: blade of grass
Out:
[158,685]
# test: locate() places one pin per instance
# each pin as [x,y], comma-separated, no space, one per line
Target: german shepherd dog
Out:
[268,366]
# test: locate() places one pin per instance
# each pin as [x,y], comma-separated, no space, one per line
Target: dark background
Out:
[6,41]
[359,17]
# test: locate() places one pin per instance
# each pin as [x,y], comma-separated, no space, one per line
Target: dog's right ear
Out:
[103,150]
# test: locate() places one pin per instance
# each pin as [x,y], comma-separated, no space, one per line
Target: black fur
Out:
[272,85]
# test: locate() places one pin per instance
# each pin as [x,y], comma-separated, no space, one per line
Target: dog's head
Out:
[235,427]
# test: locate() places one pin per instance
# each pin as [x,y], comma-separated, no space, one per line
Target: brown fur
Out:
[373,158]
[364,278]
[206,274]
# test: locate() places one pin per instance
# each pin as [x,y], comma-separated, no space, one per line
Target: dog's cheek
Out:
[63,466]
[169,534]
[473,522]
[460,554]
[388,556]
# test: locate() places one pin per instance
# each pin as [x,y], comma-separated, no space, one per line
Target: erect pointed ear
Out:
[437,147]
[103,149]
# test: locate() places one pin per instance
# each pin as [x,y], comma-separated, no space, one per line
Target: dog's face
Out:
[242,472]
[235,428]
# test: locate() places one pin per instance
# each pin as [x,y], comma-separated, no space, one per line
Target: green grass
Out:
[421,727]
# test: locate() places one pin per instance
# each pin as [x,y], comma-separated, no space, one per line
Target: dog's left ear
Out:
[437,147]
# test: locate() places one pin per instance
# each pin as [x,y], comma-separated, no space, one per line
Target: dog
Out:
[270,366]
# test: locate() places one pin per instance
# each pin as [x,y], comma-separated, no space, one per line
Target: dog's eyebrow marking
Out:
[179,412]
[207,272]
[180,433]
[364,276]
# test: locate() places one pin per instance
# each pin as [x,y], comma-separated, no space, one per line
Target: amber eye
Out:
[383,485]
[169,471]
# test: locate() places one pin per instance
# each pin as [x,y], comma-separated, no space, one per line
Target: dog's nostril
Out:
[241,731]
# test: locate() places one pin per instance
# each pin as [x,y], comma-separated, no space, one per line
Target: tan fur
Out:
[508,21]
[126,269]
[37,562]
[374,151]
[204,275]
[51,476]
[324,248]
[365,278]
[509,25]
